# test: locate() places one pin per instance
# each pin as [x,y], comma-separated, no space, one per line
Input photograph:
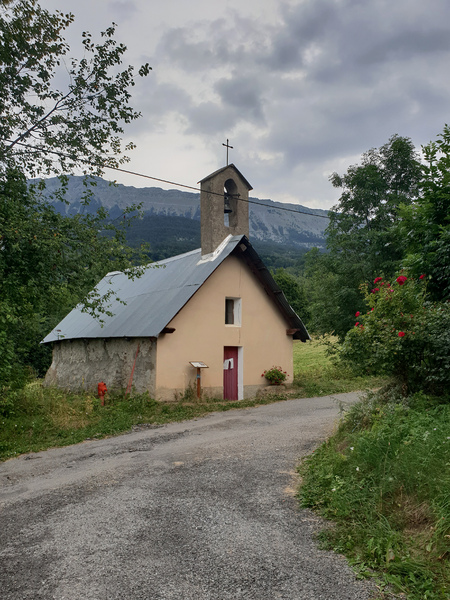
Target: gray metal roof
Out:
[153,300]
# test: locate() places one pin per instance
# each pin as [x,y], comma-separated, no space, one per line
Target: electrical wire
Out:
[182,185]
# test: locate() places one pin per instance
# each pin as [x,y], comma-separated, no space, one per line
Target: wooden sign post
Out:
[199,365]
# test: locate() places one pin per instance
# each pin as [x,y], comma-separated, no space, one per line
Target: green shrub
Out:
[401,335]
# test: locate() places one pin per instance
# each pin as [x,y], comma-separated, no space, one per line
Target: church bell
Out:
[226,205]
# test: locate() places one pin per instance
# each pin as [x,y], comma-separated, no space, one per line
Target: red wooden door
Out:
[230,373]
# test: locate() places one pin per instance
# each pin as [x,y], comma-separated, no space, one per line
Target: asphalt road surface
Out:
[202,510]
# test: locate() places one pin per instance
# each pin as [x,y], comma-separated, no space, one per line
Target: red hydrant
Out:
[102,389]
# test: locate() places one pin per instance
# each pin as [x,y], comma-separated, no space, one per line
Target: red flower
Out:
[372,309]
[357,313]
[377,279]
[401,334]
[356,324]
[401,279]
[375,290]
[422,276]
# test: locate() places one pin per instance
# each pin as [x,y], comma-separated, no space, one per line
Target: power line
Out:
[189,187]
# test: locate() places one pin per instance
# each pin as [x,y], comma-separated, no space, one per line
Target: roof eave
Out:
[246,251]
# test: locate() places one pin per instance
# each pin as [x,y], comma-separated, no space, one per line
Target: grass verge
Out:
[316,375]
[36,418]
[384,481]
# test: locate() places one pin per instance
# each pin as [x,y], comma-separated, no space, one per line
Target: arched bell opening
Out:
[230,196]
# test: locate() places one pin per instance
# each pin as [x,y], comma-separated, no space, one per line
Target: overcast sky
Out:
[301,88]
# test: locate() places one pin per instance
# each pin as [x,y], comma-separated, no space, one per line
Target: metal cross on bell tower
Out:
[227,146]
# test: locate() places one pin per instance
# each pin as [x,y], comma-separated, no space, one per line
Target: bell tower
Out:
[223,207]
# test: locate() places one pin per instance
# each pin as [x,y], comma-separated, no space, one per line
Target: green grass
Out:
[36,418]
[384,480]
[316,375]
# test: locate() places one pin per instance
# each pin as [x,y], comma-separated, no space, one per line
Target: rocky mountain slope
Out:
[179,212]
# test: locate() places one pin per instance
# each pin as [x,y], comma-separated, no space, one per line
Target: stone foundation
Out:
[82,364]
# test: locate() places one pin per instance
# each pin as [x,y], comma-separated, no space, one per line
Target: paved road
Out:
[198,510]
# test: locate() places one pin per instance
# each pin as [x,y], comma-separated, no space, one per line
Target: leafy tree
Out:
[49,262]
[332,293]
[293,291]
[359,229]
[360,240]
[81,123]
[425,225]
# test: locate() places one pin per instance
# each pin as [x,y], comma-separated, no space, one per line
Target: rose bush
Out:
[402,335]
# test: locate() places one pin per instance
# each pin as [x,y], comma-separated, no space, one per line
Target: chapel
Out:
[213,319]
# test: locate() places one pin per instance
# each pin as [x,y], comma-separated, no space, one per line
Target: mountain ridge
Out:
[269,221]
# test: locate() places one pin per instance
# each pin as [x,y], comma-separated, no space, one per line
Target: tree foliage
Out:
[372,193]
[425,225]
[360,240]
[293,291]
[78,126]
[402,334]
[49,262]
[394,213]
[332,291]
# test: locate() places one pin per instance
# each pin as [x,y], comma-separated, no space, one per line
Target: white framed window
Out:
[233,311]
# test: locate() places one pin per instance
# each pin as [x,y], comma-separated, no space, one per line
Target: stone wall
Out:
[213,227]
[82,364]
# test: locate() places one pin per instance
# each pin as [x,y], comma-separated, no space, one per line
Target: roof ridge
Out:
[177,257]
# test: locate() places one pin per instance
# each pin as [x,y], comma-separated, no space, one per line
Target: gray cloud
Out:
[122,10]
[222,42]
[299,92]
[304,26]
[209,118]
[156,102]
[243,94]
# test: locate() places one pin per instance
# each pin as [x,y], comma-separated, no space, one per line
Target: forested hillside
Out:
[170,218]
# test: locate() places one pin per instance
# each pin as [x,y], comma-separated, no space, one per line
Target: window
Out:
[233,311]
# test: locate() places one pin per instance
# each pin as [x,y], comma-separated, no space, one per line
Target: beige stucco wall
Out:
[82,364]
[201,334]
